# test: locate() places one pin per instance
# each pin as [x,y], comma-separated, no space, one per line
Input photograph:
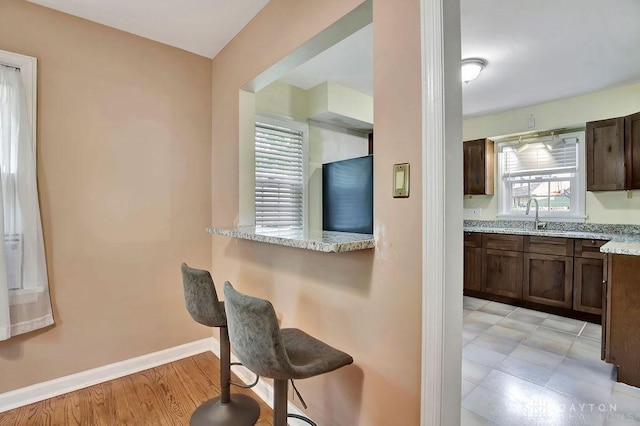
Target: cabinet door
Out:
[502,272]
[588,278]
[548,279]
[632,150]
[472,268]
[478,167]
[605,155]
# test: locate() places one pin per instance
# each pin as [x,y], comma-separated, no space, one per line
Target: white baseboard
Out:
[49,389]
[263,389]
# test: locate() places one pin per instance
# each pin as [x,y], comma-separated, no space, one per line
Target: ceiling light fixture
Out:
[471,68]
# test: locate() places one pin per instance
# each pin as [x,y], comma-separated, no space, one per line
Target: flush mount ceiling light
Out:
[471,68]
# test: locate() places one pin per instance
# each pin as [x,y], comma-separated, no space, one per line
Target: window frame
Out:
[297,125]
[578,194]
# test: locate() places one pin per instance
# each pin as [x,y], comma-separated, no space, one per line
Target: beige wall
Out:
[601,207]
[368,302]
[124,148]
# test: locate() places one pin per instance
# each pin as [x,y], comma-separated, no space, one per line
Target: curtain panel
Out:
[24,291]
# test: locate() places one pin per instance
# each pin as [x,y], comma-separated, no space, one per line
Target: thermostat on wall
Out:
[401,180]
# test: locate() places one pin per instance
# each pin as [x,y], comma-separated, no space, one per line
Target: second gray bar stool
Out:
[203,305]
[281,354]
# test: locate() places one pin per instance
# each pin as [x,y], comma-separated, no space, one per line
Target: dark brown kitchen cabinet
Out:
[502,272]
[605,155]
[548,271]
[472,261]
[632,150]
[548,279]
[560,275]
[622,324]
[478,167]
[502,265]
[589,275]
[613,153]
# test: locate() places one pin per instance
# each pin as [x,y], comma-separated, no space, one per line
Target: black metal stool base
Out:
[241,411]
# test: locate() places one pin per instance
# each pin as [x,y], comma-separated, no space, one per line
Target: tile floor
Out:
[524,367]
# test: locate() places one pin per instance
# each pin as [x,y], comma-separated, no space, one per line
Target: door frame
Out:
[442,223]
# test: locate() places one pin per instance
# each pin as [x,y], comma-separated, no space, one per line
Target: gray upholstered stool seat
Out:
[280,354]
[203,305]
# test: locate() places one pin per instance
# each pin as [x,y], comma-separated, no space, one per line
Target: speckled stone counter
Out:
[622,247]
[324,241]
[623,239]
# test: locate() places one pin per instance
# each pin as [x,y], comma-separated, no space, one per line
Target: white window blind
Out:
[541,159]
[279,176]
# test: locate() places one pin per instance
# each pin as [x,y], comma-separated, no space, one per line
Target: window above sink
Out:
[550,169]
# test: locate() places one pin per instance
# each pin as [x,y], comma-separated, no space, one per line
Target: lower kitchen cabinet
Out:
[589,275]
[472,261]
[563,276]
[548,279]
[622,323]
[502,273]
[588,279]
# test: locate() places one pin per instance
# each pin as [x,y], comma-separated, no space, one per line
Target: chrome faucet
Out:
[537,223]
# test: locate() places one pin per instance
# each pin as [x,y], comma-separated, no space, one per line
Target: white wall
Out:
[601,207]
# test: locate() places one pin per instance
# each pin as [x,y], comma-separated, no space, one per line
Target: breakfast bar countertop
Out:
[622,239]
[324,241]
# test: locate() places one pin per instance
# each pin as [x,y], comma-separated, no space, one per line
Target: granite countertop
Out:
[324,241]
[622,239]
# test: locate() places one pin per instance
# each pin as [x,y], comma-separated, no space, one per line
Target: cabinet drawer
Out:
[502,242]
[472,239]
[548,245]
[590,249]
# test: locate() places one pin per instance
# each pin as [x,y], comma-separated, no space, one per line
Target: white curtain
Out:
[24,291]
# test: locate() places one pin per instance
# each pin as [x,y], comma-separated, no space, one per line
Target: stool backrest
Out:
[255,334]
[201,297]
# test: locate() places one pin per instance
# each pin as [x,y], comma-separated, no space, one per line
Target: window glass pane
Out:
[519,195]
[551,195]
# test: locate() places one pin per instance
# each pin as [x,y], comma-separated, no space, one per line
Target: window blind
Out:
[279,176]
[540,158]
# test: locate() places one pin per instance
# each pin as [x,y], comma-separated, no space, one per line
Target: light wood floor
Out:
[165,395]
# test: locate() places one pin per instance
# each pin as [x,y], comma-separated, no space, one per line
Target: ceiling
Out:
[203,27]
[536,51]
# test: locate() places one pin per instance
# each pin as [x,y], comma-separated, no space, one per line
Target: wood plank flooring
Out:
[165,395]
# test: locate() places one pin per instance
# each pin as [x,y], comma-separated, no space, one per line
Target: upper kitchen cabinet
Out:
[478,167]
[613,154]
[605,155]
[632,150]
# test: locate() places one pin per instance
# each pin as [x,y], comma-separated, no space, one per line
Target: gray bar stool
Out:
[203,305]
[281,354]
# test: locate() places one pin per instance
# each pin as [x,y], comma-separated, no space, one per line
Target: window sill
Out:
[324,241]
